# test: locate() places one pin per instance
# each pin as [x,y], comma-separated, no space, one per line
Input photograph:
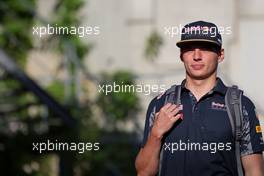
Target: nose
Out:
[197,54]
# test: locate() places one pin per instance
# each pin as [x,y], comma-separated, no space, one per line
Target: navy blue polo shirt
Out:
[202,144]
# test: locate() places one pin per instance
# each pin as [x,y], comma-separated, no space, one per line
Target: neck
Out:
[200,87]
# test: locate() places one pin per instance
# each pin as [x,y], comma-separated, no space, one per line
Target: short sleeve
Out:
[150,116]
[154,106]
[252,140]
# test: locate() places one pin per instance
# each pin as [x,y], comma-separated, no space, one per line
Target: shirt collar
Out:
[219,87]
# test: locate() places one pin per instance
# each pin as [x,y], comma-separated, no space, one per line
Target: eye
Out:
[187,49]
[211,49]
[202,47]
[206,48]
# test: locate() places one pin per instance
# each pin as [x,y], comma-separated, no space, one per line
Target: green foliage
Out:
[153,44]
[116,156]
[16,22]
[56,89]
[67,16]
[118,105]
[67,11]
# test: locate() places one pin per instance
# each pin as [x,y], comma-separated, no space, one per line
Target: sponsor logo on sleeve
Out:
[258,129]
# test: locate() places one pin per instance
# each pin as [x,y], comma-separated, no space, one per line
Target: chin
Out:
[199,76]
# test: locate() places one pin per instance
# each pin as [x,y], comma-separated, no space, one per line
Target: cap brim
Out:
[187,42]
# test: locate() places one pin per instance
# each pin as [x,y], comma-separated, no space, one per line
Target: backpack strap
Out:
[173,95]
[233,103]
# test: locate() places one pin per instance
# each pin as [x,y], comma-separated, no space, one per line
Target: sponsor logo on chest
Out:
[218,106]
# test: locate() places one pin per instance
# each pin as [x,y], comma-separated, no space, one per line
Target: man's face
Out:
[201,60]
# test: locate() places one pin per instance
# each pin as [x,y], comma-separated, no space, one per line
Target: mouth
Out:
[197,66]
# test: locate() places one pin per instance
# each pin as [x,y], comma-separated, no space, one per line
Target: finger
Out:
[172,107]
[176,110]
[177,117]
[165,107]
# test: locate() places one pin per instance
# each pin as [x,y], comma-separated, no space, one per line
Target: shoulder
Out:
[247,102]
[248,108]
[160,99]
[247,105]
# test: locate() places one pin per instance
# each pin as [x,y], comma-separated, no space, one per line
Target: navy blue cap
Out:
[200,31]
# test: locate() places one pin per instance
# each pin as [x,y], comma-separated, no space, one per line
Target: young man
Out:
[195,138]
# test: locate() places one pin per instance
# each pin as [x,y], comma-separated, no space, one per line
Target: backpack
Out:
[233,104]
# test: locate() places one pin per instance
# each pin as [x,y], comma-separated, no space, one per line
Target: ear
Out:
[221,55]
[181,56]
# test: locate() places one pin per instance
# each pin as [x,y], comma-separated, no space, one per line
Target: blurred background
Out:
[50,84]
